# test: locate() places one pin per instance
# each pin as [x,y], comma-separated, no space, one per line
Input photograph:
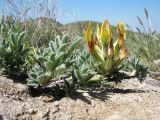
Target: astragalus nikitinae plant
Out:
[107,55]
[85,69]
[53,62]
[137,68]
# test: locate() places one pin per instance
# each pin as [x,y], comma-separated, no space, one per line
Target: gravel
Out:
[128,100]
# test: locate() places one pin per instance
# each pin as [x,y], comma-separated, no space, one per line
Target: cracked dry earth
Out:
[128,100]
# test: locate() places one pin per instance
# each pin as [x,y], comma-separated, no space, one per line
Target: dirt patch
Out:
[128,100]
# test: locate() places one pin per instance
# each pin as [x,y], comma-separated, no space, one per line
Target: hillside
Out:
[41,30]
[78,28]
[41,21]
[72,29]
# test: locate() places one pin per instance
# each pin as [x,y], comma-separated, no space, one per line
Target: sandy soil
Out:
[128,100]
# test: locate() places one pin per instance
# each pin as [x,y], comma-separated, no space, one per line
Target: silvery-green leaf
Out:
[73,46]
[59,57]
[44,79]
[32,83]
[52,57]
[42,59]
[32,75]
[50,66]
[60,68]
[62,48]
[64,39]
[13,39]
[21,37]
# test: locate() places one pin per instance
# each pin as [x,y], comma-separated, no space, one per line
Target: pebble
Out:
[56,103]
[26,117]
[46,112]
[93,103]
[21,88]
[32,111]
[56,109]
[86,94]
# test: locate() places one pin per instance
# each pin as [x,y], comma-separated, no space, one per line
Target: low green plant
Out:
[137,68]
[14,50]
[107,55]
[85,69]
[53,62]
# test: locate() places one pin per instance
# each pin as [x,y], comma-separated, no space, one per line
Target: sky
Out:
[113,10]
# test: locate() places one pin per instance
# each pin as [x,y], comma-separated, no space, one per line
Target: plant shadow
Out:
[103,94]
[86,94]
[19,79]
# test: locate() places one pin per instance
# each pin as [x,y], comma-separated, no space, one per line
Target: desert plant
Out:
[137,68]
[14,50]
[52,62]
[83,72]
[107,55]
[85,69]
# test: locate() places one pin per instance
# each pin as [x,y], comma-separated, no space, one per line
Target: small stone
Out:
[18,114]
[47,99]
[56,103]
[39,115]
[26,117]
[157,62]
[46,112]
[32,111]
[22,88]
[56,109]
[93,103]
[86,94]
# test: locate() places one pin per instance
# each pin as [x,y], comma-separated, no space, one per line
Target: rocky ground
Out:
[129,100]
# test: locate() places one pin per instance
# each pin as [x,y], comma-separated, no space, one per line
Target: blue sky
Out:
[113,10]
